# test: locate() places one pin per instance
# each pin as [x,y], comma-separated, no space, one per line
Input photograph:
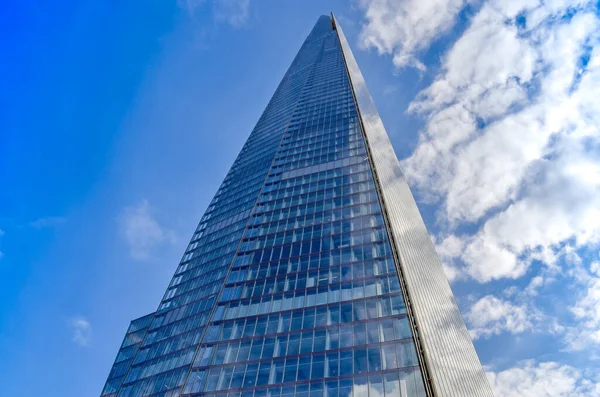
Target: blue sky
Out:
[119,123]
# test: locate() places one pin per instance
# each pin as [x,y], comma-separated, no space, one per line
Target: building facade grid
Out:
[289,286]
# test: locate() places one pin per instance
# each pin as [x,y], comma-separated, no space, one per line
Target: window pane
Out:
[360,360]
[318,366]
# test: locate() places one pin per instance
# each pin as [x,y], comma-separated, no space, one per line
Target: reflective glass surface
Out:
[129,347]
[288,286]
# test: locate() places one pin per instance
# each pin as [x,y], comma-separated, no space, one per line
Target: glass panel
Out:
[292,261]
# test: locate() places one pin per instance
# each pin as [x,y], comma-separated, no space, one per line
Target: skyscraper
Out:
[311,272]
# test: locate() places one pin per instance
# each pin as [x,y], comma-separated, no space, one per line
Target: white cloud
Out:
[190,5]
[560,202]
[587,311]
[82,331]
[408,383]
[545,379]
[492,316]
[510,153]
[535,284]
[402,28]
[234,12]
[486,73]
[448,249]
[390,89]
[512,136]
[48,221]
[141,231]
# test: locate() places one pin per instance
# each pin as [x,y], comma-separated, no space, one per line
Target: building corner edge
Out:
[447,357]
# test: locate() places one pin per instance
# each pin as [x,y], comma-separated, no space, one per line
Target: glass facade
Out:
[288,286]
[129,347]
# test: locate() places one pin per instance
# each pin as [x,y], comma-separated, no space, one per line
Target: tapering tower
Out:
[311,272]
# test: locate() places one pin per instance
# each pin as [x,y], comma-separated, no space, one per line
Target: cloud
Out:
[403,28]
[492,316]
[562,205]
[190,5]
[48,221]
[141,231]
[511,143]
[510,155]
[390,89]
[404,383]
[587,311]
[545,379]
[82,331]
[234,12]
[448,249]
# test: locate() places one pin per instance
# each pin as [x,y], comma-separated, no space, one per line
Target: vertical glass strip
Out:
[288,286]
